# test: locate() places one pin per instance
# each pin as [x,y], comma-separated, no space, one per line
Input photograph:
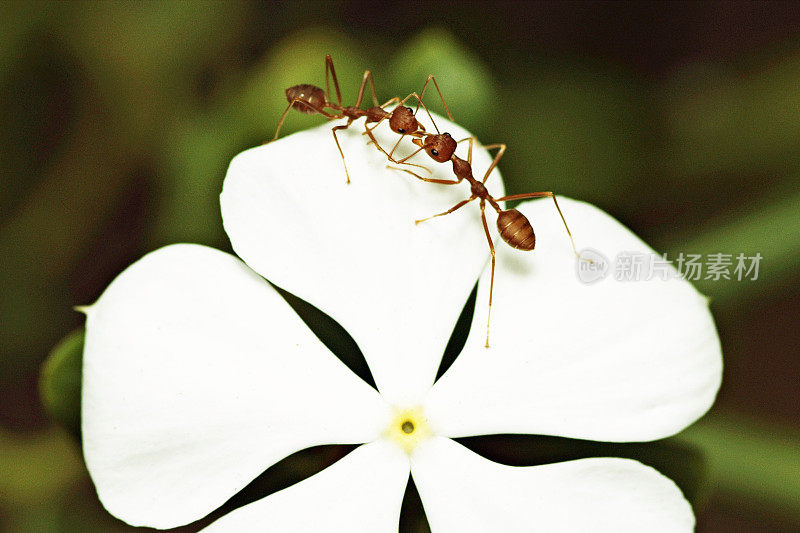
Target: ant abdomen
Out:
[313,95]
[516,230]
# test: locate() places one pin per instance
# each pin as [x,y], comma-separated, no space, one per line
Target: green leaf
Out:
[36,469]
[462,75]
[771,230]
[60,381]
[245,114]
[755,461]
[738,117]
[577,129]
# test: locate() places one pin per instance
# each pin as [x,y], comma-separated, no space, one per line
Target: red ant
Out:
[311,99]
[514,227]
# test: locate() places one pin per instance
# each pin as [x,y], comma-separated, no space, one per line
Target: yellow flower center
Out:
[408,427]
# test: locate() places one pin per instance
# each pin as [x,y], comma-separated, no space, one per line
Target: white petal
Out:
[361,492]
[197,377]
[613,360]
[354,250]
[462,493]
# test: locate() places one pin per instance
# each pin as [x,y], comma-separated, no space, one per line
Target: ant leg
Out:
[395,148]
[368,131]
[501,146]
[344,127]
[372,89]
[394,100]
[411,155]
[429,180]
[422,94]
[367,76]
[500,153]
[421,103]
[389,155]
[308,105]
[546,195]
[280,123]
[491,283]
[459,205]
[402,161]
[329,69]
[471,143]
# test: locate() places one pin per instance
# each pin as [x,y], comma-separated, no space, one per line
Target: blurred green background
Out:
[680,119]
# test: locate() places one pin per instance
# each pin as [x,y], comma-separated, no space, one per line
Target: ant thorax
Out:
[478,189]
[461,168]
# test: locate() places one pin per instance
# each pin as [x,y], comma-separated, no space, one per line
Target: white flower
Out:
[198,376]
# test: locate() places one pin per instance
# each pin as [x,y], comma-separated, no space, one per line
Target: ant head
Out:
[403,120]
[439,146]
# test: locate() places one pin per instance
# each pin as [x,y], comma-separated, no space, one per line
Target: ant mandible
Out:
[311,99]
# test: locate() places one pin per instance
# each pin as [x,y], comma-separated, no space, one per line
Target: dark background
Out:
[681,119]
